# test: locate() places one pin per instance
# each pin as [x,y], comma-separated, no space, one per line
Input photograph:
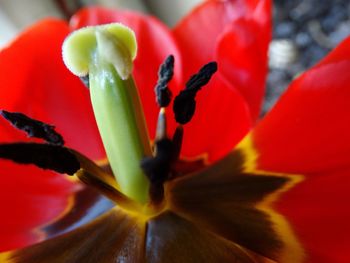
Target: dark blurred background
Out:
[304,30]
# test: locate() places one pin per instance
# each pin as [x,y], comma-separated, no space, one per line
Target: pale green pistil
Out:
[106,54]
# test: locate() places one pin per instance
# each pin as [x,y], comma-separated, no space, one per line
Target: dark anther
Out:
[185,103]
[33,128]
[165,74]
[85,80]
[45,156]
[157,168]
[184,106]
[197,81]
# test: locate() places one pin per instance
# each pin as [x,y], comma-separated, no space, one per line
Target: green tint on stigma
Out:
[106,53]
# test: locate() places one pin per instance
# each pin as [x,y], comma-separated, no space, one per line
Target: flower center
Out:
[103,56]
[105,53]
[161,166]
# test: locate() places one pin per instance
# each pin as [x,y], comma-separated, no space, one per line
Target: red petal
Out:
[226,31]
[308,133]
[308,130]
[155,43]
[317,208]
[29,198]
[242,55]
[221,120]
[35,81]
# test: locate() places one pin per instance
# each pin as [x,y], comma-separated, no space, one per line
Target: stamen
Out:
[33,128]
[165,74]
[197,81]
[157,168]
[45,156]
[161,125]
[92,168]
[108,190]
[185,103]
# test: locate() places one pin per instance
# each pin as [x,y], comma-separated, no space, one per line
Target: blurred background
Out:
[304,30]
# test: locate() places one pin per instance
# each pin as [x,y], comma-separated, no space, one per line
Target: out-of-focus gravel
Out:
[304,32]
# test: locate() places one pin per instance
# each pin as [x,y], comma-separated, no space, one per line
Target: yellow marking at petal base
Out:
[6,257]
[102,162]
[293,251]
[251,156]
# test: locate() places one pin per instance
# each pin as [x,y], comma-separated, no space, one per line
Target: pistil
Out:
[106,54]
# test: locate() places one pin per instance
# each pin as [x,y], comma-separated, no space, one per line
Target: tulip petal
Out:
[35,81]
[155,43]
[223,31]
[119,237]
[39,204]
[235,203]
[317,210]
[30,198]
[173,239]
[307,133]
[114,237]
[86,205]
[308,130]
[242,54]
[226,31]
[67,205]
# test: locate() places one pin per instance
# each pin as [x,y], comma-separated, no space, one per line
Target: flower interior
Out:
[104,55]
[152,187]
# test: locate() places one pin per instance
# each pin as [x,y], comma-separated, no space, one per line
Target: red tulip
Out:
[230,210]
